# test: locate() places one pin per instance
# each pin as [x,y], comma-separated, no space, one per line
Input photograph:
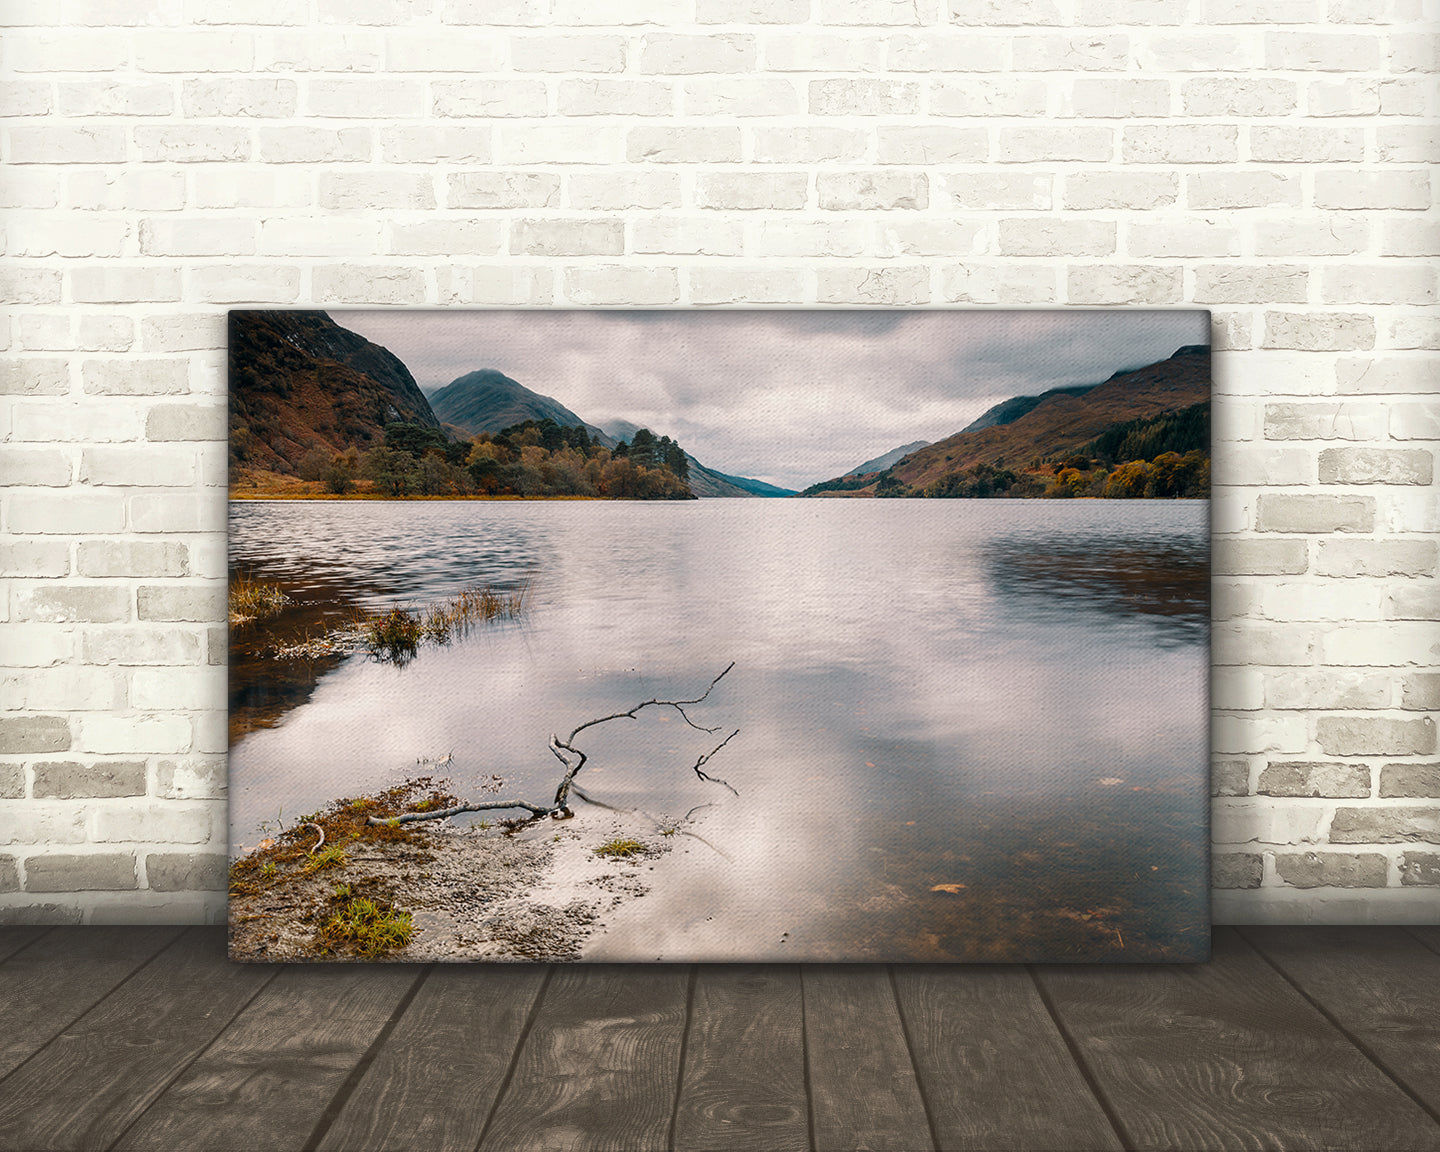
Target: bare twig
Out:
[574,760]
[321,841]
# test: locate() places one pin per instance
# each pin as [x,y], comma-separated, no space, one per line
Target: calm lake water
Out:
[969,730]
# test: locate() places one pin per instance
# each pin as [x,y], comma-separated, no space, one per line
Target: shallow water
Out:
[1003,698]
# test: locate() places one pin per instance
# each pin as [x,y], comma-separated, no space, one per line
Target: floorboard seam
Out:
[352,1081]
[684,1049]
[204,1048]
[805,1067]
[1359,1045]
[1081,1064]
[29,943]
[101,1000]
[1424,943]
[520,1042]
[914,1064]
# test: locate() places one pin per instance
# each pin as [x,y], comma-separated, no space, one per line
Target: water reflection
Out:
[1006,696]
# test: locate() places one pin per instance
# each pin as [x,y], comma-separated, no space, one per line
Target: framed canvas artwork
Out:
[719,636]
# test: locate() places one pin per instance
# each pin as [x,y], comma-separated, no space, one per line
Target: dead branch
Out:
[574,760]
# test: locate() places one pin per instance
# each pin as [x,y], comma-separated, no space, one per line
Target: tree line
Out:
[532,458]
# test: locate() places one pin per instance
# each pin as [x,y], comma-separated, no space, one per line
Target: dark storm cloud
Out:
[785,396]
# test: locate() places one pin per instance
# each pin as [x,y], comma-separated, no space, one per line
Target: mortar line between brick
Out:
[1359,1045]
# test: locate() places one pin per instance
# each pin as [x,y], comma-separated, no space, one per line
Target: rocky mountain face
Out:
[299,381]
[894,456]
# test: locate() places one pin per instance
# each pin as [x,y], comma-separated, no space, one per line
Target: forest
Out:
[530,459]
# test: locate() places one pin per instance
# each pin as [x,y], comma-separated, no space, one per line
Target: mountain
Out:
[487,401]
[705,481]
[299,381]
[1058,423]
[894,456]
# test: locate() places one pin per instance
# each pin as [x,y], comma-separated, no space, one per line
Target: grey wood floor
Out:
[1290,1038]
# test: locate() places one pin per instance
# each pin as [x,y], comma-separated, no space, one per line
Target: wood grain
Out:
[995,1070]
[1380,984]
[1427,934]
[269,1077]
[863,1088]
[600,1066]
[1228,1055]
[12,939]
[106,1068]
[744,1079]
[61,976]
[437,1077]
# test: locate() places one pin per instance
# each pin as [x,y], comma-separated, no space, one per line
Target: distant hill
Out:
[705,481]
[487,401]
[894,456]
[1022,433]
[299,381]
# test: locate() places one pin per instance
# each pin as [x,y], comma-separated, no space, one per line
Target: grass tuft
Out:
[620,849]
[251,600]
[367,927]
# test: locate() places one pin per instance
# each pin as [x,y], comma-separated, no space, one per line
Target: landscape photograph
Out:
[806,635]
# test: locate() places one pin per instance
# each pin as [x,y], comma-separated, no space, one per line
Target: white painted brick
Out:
[931,144]
[1407,143]
[1347,97]
[446,238]
[171,689]
[360,284]
[1082,52]
[47,332]
[1330,420]
[148,466]
[1412,331]
[331,50]
[1328,688]
[1324,601]
[66,144]
[176,512]
[950,51]
[30,188]
[112,98]
[1391,283]
[985,97]
[871,12]
[26,98]
[1000,284]
[378,12]
[365,98]
[1117,99]
[35,645]
[1251,284]
[661,12]
[504,12]
[1319,331]
[551,237]
[132,189]
[1393,374]
[246,12]
[74,512]
[67,50]
[817,52]
[683,145]
[299,144]
[590,96]
[1242,189]
[1027,145]
[1120,284]
[88,422]
[434,52]
[1300,144]
[1258,733]
[492,189]
[1237,689]
[1409,236]
[489,98]
[1309,235]
[1197,52]
[190,143]
[38,236]
[687,236]
[1404,189]
[808,145]
[1180,144]
[564,144]
[1005,13]
[621,284]
[495,284]
[1381,645]
[369,191]
[1407,96]
[752,11]
[745,285]
[123,14]
[189,50]
[176,823]
[168,236]
[1124,189]
[1322,52]
[863,96]
[135,377]
[1268,822]
[886,285]
[234,96]
[752,190]
[1414,422]
[559,53]
[35,467]
[1190,238]
[1107,12]
[1049,236]
[810,238]
[840,191]
[775,96]
[672,54]
[70,689]
[925,237]
[1258,11]
[623,188]
[247,284]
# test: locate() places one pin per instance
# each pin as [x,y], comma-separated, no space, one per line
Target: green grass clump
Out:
[620,849]
[394,636]
[251,600]
[331,856]
[368,928]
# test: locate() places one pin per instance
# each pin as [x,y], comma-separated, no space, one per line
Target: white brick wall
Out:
[1268,159]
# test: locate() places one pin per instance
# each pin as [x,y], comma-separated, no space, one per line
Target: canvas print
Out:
[719,636]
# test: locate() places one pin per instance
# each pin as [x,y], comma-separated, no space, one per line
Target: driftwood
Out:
[574,759]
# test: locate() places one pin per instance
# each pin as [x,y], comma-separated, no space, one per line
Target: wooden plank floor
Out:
[1325,1039]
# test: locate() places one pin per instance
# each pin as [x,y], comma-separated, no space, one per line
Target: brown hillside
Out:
[299,381]
[1063,423]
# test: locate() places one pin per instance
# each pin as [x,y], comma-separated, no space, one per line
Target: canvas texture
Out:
[719,636]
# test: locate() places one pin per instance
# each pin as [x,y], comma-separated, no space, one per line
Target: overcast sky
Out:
[788,397]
